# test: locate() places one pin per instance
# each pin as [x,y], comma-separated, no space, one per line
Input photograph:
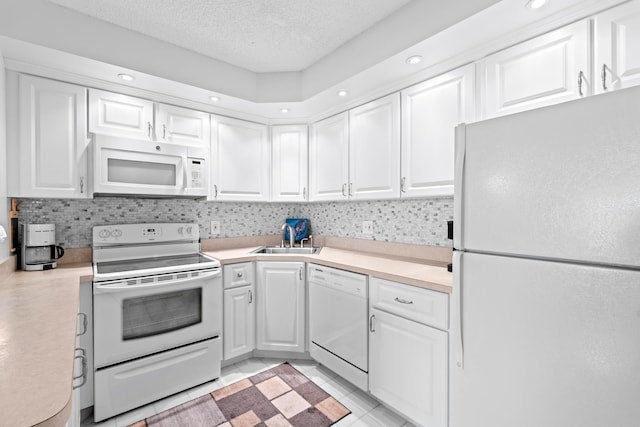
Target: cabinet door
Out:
[240,160]
[329,158]
[617,56]
[50,154]
[374,149]
[239,321]
[281,306]
[430,113]
[85,340]
[120,115]
[289,171]
[182,126]
[546,70]
[408,367]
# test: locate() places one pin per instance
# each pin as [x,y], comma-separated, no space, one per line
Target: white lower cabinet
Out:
[408,360]
[82,394]
[281,302]
[239,310]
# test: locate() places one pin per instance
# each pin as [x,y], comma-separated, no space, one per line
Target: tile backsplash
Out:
[413,221]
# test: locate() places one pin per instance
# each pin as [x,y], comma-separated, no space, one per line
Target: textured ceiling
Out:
[258,35]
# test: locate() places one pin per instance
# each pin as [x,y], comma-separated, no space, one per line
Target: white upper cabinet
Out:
[329,158]
[546,70]
[135,118]
[617,48]
[47,138]
[289,163]
[430,113]
[240,160]
[120,115]
[182,126]
[374,149]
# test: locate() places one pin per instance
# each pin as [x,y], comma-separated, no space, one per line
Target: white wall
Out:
[4,205]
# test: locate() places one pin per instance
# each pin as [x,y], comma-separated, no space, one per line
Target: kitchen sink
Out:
[284,251]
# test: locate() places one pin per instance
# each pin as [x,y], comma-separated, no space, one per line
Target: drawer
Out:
[240,274]
[411,302]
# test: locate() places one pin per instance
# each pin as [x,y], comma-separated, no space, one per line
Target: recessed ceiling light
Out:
[284,110]
[126,77]
[214,98]
[415,59]
[343,93]
[536,4]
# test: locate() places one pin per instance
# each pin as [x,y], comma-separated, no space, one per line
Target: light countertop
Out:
[37,342]
[38,323]
[405,270]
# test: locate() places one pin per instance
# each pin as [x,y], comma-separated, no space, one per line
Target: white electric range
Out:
[157,304]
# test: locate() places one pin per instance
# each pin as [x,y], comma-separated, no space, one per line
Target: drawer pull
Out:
[83,376]
[85,323]
[240,275]
[403,301]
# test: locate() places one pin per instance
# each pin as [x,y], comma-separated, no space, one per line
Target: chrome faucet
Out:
[292,235]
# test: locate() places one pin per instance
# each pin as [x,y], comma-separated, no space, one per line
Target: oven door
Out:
[142,316]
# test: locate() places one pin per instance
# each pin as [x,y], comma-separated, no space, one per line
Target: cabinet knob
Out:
[240,274]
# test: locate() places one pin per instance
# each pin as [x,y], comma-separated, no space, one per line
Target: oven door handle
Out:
[108,289]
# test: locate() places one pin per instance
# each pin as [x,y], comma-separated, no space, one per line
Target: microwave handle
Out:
[107,289]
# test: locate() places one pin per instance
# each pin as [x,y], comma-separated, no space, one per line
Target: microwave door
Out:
[137,167]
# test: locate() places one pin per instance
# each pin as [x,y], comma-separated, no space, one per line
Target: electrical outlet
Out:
[215,228]
[367,227]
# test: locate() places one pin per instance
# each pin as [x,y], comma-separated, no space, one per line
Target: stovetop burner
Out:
[182,261]
[136,250]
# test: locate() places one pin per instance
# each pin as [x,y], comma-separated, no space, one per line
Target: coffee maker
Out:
[38,249]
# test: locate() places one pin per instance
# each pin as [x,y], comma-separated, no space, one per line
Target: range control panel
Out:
[126,234]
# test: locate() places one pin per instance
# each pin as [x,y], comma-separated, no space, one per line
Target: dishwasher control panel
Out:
[345,281]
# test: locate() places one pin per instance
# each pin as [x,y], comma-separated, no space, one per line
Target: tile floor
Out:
[365,411]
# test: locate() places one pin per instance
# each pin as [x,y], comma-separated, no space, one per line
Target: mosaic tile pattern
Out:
[414,221]
[278,397]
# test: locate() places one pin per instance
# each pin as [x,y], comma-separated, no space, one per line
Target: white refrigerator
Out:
[546,296]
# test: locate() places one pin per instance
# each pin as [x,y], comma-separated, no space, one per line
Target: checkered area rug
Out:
[278,397]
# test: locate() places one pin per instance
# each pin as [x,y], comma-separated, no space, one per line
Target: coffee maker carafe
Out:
[38,249]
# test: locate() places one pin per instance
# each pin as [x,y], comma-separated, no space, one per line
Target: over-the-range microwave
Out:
[147,168]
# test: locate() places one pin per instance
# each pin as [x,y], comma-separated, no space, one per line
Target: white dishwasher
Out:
[338,315]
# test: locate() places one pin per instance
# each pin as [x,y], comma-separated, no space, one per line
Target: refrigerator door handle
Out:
[460,148]
[456,296]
